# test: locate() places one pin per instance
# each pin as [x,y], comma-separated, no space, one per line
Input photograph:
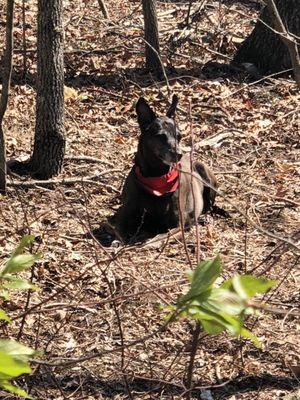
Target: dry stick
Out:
[55,294]
[187,20]
[63,181]
[190,370]
[89,159]
[217,53]
[162,65]
[266,298]
[246,237]
[295,248]
[254,83]
[103,9]
[181,222]
[115,308]
[98,354]
[284,247]
[87,306]
[192,186]
[24,41]
[287,39]
[197,329]
[6,77]
[28,298]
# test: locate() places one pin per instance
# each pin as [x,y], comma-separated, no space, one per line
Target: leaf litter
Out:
[249,134]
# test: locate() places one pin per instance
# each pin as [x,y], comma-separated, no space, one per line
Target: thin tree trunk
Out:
[288,40]
[264,47]
[49,142]
[7,62]
[151,35]
[190,367]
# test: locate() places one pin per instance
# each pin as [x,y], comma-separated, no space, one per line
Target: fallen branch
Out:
[63,181]
[89,159]
[103,9]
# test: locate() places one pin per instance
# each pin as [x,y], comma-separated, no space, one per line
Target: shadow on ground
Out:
[91,385]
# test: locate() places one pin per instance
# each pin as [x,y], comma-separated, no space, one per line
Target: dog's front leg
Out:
[128,221]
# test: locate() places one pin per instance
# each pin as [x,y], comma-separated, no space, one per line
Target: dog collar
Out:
[159,185]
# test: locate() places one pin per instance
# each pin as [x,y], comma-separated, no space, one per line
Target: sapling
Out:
[218,308]
[14,356]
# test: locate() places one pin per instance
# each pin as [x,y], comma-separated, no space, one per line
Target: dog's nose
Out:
[176,155]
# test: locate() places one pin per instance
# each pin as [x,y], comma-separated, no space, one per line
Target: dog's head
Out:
[160,136]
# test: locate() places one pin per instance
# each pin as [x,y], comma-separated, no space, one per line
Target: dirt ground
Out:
[94,300]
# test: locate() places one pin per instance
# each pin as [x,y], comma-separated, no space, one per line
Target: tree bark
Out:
[264,48]
[7,69]
[49,142]
[151,36]
[288,40]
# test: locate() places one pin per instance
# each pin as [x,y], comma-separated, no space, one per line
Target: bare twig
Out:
[63,181]
[24,40]
[103,9]
[7,61]
[89,159]
[294,246]
[190,369]
[161,65]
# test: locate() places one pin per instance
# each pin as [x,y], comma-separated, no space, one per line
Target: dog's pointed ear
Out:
[144,113]
[171,111]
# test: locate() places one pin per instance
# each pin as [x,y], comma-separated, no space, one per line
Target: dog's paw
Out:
[116,244]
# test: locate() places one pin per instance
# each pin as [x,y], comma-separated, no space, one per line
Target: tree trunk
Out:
[265,48]
[49,141]
[151,35]
[7,68]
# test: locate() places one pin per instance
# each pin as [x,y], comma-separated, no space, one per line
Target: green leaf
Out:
[227,301]
[11,367]
[16,349]
[4,294]
[201,280]
[6,385]
[249,335]
[209,320]
[25,241]
[17,283]
[20,262]
[207,313]
[212,327]
[247,286]
[4,316]
[227,285]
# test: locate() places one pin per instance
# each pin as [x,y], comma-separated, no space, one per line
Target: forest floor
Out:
[94,299]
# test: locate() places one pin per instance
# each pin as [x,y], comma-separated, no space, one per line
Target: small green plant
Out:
[224,307]
[14,356]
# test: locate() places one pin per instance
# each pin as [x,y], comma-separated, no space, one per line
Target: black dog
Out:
[162,188]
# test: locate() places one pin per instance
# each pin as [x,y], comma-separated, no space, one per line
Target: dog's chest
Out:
[158,206]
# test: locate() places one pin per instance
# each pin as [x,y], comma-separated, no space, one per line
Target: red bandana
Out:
[159,185]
